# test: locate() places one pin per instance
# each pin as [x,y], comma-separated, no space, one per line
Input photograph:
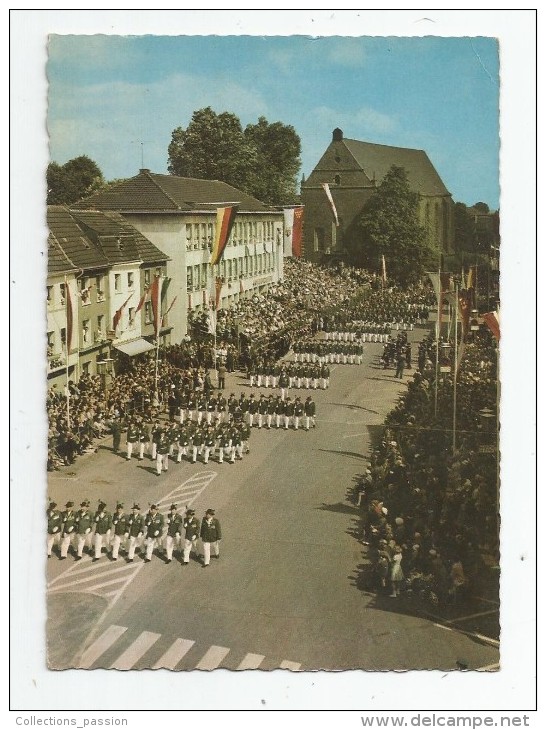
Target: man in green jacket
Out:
[210,534]
[84,527]
[103,525]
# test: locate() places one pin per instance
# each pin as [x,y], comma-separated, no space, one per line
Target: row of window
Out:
[93,288]
[90,336]
[201,235]
[197,276]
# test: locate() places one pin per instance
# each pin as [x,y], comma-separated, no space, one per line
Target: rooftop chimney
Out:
[337,135]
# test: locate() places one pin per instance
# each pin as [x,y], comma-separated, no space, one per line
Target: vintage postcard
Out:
[273,341]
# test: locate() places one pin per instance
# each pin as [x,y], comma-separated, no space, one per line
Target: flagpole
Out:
[66,295]
[157,329]
[455,364]
[215,319]
[437,345]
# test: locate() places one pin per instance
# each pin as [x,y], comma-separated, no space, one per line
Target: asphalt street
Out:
[285,591]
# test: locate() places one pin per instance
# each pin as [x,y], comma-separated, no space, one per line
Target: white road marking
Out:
[174,654]
[293,666]
[213,657]
[98,647]
[441,626]
[488,668]
[123,569]
[472,615]
[177,650]
[136,651]
[351,435]
[251,661]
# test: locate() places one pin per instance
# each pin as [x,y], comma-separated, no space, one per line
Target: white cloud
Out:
[108,121]
[358,123]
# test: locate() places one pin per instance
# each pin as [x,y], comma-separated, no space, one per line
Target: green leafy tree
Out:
[465,229]
[390,227]
[263,160]
[278,149]
[212,147]
[72,181]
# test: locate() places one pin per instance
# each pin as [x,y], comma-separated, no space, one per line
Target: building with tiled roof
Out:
[353,170]
[178,215]
[104,265]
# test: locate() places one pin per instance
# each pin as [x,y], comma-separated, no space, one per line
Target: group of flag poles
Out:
[461,300]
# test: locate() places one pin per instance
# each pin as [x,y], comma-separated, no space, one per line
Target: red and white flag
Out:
[331,201]
[69,315]
[117,315]
[143,298]
[163,320]
[492,320]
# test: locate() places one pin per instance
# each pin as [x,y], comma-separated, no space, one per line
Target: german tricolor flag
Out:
[224,223]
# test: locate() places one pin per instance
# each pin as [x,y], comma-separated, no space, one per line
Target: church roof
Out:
[375,160]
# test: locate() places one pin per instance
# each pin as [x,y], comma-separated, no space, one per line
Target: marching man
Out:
[191,527]
[103,525]
[121,527]
[84,525]
[135,526]
[210,534]
[174,528]
[54,524]
[154,531]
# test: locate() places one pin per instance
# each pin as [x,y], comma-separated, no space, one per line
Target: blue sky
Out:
[108,94]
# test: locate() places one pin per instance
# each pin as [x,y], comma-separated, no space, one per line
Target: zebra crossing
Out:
[118,647]
[110,579]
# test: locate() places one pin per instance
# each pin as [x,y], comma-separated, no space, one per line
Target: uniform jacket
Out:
[84,522]
[54,521]
[103,523]
[69,522]
[191,526]
[119,523]
[135,524]
[210,531]
[174,524]
[154,524]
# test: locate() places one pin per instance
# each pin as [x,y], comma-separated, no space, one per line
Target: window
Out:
[99,283]
[50,343]
[131,316]
[85,367]
[49,294]
[62,293]
[337,180]
[189,278]
[117,282]
[204,274]
[147,276]
[63,336]
[196,272]
[100,328]
[130,279]
[147,313]
[230,268]
[85,332]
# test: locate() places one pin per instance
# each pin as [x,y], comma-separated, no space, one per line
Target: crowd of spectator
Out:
[430,502]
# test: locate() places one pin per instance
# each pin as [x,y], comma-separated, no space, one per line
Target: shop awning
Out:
[134,347]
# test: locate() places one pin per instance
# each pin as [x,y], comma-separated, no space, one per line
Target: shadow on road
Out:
[339,507]
[344,453]
[354,407]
